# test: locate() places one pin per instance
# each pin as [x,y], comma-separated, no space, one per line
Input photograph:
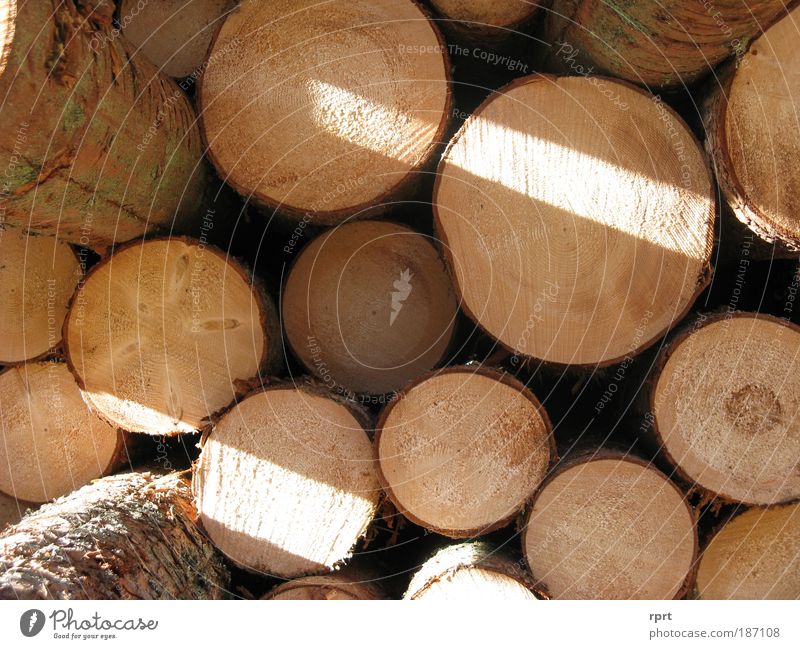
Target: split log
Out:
[324,139]
[752,125]
[368,306]
[756,555]
[610,526]
[577,218]
[129,536]
[723,400]
[470,572]
[673,43]
[344,585]
[37,277]
[285,483]
[51,442]
[484,21]
[173,34]
[461,451]
[161,334]
[97,146]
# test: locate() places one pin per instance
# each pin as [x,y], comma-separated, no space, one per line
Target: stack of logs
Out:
[414,307]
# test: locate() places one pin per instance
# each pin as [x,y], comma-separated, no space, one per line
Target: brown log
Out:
[609,526]
[484,22]
[96,145]
[723,399]
[345,585]
[285,484]
[470,572]
[752,136]
[37,277]
[460,451]
[324,139]
[52,443]
[577,218]
[674,42]
[173,34]
[12,511]
[162,333]
[368,306]
[756,555]
[129,536]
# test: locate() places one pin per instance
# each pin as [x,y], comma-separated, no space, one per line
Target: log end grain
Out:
[324,138]
[461,451]
[37,277]
[163,352]
[368,306]
[724,405]
[611,528]
[577,217]
[51,442]
[756,555]
[285,484]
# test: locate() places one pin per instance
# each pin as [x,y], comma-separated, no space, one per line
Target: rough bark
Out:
[130,536]
[97,146]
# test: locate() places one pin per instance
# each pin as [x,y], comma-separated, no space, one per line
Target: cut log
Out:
[484,21]
[129,536]
[462,450]
[324,110]
[754,135]
[756,555]
[339,586]
[173,34]
[37,277]
[285,483]
[577,217]
[51,442]
[97,146]
[723,400]
[368,306]
[674,43]
[161,333]
[611,527]
[470,572]
[12,511]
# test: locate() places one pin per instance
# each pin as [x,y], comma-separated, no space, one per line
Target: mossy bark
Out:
[96,145]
